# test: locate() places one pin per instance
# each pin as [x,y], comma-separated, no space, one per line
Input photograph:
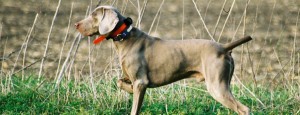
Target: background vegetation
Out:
[48,68]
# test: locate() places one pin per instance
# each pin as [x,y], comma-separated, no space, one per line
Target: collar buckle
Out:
[118,38]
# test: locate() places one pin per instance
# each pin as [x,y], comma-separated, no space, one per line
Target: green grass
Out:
[73,97]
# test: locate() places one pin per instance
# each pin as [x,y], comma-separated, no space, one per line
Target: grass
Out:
[72,97]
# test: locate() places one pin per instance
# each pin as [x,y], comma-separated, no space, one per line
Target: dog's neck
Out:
[130,41]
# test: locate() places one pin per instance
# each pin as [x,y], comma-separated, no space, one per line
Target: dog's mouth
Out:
[97,39]
[93,34]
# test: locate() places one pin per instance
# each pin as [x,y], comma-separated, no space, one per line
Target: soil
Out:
[273,25]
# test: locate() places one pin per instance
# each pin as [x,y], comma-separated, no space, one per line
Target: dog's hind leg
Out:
[218,85]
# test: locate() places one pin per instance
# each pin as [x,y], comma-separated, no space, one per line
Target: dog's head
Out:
[100,22]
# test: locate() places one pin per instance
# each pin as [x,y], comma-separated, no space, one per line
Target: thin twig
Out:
[207,6]
[182,22]
[0,31]
[211,37]
[241,20]
[27,41]
[98,4]
[144,8]
[1,68]
[25,67]
[249,91]
[133,4]
[194,88]
[264,45]
[48,39]
[91,71]
[294,48]
[226,20]
[3,57]
[282,67]
[59,77]
[113,2]
[21,48]
[195,30]
[161,4]
[64,66]
[74,55]
[272,13]
[215,29]
[4,49]
[252,66]
[255,19]
[66,36]
[138,22]
[157,24]
[277,57]
[248,53]
[124,6]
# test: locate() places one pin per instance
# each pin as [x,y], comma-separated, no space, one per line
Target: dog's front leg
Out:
[139,90]
[125,84]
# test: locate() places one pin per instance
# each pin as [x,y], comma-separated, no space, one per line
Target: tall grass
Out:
[29,96]
[72,90]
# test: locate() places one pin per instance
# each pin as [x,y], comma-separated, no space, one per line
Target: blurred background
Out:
[272,57]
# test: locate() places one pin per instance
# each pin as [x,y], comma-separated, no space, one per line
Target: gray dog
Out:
[149,62]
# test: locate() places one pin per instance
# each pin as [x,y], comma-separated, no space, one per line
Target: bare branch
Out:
[99,3]
[48,39]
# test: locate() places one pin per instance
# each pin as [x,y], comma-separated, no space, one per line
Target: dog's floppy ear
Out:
[109,20]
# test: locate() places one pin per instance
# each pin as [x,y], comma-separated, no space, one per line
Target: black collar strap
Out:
[122,31]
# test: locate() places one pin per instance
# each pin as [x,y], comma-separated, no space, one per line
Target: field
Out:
[29,96]
[48,68]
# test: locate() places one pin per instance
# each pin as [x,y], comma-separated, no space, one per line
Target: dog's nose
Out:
[77,25]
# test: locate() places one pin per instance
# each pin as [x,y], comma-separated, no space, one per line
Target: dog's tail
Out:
[236,43]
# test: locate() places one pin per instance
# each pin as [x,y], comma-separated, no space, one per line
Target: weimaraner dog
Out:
[149,62]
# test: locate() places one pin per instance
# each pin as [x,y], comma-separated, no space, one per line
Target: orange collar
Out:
[119,31]
[119,34]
